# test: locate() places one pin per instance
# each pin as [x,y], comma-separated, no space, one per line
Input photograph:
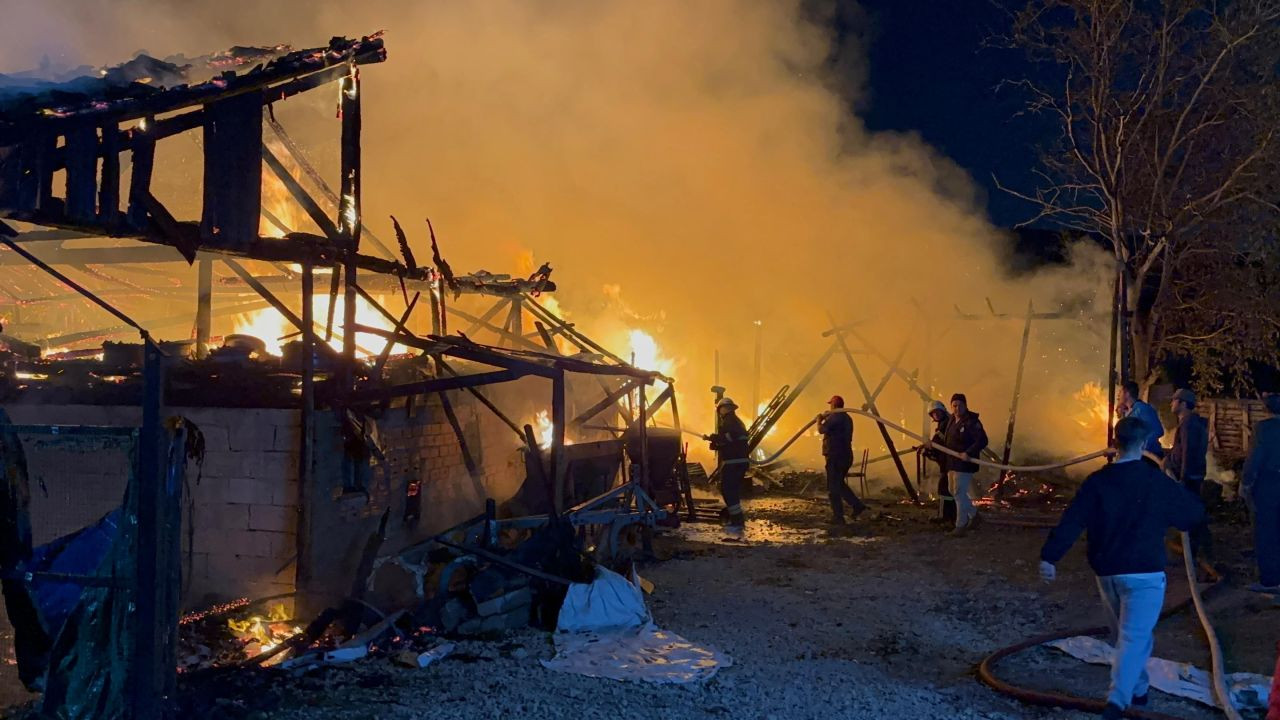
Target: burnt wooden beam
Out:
[487,316]
[99,256]
[266,294]
[609,400]
[271,83]
[300,194]
[349,217]
[82,169]
[204,306]
[398,328]
[482,398]
[144,156]
[232,172]
[295,152]
[516,340]
[424,387]
[473,468]
[109,185]
[167,321]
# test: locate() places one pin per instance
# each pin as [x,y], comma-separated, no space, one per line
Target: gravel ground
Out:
[887,624]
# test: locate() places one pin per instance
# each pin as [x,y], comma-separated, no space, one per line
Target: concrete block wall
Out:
[243,525]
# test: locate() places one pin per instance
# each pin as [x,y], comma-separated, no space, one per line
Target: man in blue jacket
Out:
[1126,507]
[836,429]
[1130,397]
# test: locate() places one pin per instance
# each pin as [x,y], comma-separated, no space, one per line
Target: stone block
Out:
[275,466]
[249,490]
[287,438]
[251,435]
[229,516]
[273,517]
[216,438]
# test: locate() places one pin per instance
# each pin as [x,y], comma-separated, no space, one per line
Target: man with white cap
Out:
[836,429]
[946,503]
[730,442]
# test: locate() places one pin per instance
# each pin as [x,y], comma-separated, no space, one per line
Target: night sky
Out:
[930,73]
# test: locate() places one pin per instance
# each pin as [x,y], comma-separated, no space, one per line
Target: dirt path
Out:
[885,625]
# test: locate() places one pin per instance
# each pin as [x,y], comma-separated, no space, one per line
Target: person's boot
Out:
[1112,712]
[1140,700]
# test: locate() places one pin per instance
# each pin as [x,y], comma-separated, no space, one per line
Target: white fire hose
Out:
[925,442]
[1215,649]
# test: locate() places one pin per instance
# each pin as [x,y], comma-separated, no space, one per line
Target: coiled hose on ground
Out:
[985,674]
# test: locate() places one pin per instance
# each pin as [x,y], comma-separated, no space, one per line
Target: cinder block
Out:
[274,466]
[273,517]
[216,438]
[285,493]
[287,438]
[250,435]
[250,491]
[223,463]
[229,516]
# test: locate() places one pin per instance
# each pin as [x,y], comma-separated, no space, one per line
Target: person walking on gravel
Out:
[1125,507]
[836,429]
[1261,491]
[966,436]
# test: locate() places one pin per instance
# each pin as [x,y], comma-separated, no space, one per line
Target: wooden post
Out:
[884,432]
[1017,385]
[646,481]
[349,213]
[559,466]
[109,187]
[435,311]
[147,674]
[144,155]
[306,432]
[204,305]
[1116,301]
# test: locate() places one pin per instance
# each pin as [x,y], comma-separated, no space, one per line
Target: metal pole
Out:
[1017,384]
[147,672]
[204,305]
[755,377]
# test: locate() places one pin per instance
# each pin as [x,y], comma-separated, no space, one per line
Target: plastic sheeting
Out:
[1248,691]
[605,630]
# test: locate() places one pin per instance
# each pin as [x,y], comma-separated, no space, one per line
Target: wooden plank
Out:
[456,382]
[144,155]
[109,185]
[232,172]
[82,174]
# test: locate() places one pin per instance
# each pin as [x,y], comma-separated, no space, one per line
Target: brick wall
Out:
[244,513]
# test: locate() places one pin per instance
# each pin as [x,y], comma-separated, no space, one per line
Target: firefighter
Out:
[1261,491]
[966,436]
[836,429]
[730,443]
[946,503]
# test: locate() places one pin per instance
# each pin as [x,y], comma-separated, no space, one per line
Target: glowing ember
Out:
[543,428]
[262,634]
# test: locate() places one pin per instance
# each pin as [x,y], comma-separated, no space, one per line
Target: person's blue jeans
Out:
[1133,604]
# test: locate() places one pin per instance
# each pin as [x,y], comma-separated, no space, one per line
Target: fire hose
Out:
[987,676]
[1220,692]
[927,443]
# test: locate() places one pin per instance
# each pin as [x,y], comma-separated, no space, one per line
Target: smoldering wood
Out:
[1017,383]
[204,306]
[487,316]
[158,323]
[334,279]
[503,334]
[473,470]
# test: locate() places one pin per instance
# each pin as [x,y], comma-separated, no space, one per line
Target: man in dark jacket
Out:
[966,436]
[836,429]
[730,442]
[946,503]
[1133,405]
[1261,490]
[1187,462]
[1126,507]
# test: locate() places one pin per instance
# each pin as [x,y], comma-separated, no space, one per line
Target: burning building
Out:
[321,434]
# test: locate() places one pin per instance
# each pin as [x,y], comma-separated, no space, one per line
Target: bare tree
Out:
[1169,112]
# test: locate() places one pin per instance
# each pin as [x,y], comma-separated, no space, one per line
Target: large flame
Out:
[1093,407]
[273,329]
[646,354]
